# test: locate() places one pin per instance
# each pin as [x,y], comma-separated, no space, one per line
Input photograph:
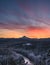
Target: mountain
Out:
[24,40]
[24,37]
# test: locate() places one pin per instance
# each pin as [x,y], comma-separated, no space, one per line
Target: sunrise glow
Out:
[28,18]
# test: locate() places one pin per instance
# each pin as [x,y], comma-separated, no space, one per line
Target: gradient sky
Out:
[29,18]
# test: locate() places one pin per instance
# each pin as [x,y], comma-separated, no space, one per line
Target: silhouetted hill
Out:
[44,42]
[24,39]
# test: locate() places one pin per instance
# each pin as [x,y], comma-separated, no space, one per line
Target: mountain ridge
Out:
[25,37]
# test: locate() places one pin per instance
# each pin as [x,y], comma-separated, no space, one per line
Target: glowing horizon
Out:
[36,33]
[30,18]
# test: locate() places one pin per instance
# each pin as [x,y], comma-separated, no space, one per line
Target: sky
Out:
[29,18]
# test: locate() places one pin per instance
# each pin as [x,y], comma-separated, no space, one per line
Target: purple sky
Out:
[23,14]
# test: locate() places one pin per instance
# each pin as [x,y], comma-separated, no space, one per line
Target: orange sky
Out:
[29,32]
[24,18]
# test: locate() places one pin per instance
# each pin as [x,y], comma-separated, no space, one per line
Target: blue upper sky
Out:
[17,14]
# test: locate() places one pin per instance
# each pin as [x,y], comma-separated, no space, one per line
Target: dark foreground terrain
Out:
[25,51]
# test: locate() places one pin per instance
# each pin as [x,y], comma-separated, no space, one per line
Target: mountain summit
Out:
[24,37]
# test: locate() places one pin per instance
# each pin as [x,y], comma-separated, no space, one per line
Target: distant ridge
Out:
[24,37]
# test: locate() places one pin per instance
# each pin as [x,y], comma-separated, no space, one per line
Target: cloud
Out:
[21,14]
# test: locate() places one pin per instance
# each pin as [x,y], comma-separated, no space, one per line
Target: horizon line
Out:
[23,36]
